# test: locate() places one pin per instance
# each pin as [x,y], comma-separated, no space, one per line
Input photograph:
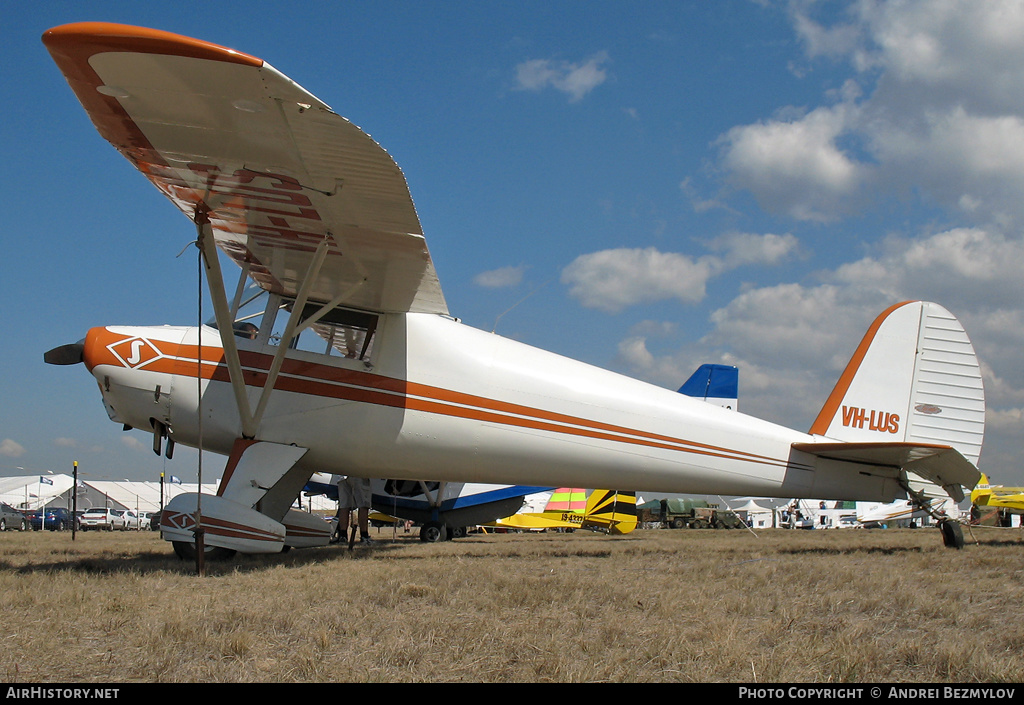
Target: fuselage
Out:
[440,400]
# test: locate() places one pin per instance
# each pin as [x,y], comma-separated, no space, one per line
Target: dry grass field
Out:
[656,605]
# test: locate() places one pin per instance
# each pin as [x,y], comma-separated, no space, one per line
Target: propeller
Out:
[70,354]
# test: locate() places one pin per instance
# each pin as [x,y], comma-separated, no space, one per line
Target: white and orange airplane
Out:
[319,217]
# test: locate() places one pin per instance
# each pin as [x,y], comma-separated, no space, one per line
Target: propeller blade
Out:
[70,354]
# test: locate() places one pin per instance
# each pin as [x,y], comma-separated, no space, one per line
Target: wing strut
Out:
[290,328]
[251,419]
[215,281]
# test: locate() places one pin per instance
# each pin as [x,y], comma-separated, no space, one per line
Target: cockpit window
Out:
[345,332]
[339,332]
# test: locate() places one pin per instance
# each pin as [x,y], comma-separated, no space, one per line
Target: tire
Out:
[678,523]
[24,525]
[187,552]
[3,525]
[456,532]
[433,532]
[952,535]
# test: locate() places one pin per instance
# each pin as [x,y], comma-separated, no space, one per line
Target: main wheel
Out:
[432,532]
[456,532]
[952,534]
[187,552]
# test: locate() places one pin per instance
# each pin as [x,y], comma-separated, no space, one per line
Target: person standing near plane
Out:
[353,493]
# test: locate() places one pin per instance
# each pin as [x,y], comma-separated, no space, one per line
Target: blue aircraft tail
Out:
[716,384]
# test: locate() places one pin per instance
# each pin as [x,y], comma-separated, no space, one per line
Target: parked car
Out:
[11,518]
[99,518]
[132,519]
[53,519]
[154,520]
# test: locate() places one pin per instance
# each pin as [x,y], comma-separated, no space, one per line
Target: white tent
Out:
[33,491]
[758,517]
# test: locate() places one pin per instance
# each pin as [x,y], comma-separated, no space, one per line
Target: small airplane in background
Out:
[607,511]
[443,510]
[352,364]
[873,514]
[1010,499]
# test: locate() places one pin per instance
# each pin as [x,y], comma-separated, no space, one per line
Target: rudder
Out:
[611,512]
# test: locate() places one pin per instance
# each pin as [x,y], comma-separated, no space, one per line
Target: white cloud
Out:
[791,341]
[500,278]
[1005,420]
[574,79]
[611,280]
[633,351]
[750,248]
[937,111]
[795,166]
[11,449]
[836,41]
[968,268]
[134,443]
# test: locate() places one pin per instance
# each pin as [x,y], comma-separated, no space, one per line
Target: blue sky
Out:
[655,185]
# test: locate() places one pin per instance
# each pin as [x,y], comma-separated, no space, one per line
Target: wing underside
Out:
[230,140]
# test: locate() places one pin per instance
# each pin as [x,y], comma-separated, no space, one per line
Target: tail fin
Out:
[913,379]
[611,512]
[567,499]
[715,384]
[982,491]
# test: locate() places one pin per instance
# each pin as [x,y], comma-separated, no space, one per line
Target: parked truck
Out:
[687,514]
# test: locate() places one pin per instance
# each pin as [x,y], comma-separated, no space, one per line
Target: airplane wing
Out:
[228,138]
[941,464]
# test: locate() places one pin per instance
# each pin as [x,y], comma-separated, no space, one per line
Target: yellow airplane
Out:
[607,511]
[997,496]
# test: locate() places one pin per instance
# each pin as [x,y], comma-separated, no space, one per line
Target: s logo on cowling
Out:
[134,352]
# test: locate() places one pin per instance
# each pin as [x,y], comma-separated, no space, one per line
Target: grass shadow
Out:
[146,562]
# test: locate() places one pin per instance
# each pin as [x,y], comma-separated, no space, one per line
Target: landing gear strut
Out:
[952,534]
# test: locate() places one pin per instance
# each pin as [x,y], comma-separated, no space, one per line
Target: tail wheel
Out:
[952,534]
[187,552]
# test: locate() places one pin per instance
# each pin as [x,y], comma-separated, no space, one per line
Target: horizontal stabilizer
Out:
[941,464]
